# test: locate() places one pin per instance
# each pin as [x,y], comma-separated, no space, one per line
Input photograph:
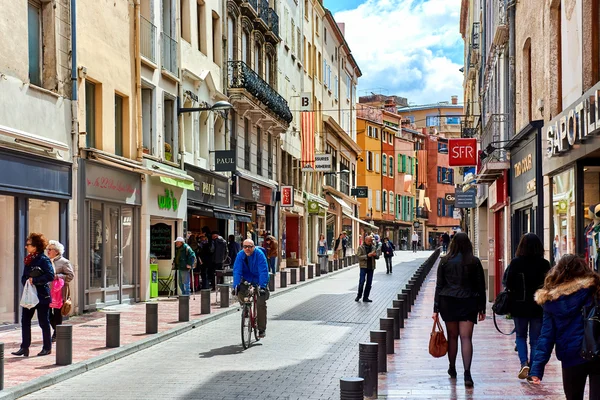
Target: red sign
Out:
[462,152]
[287,196]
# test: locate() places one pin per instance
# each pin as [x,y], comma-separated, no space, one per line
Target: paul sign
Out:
[462,152]
[225,161]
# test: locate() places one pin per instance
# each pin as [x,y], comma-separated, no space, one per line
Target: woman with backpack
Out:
[568,287]
[523,277]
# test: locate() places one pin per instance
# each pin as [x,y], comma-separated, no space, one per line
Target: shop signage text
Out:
[526,164]
[168,201]
[225,160]
[287,196]
[465,199]
[322,164]
[450,198]
[524,167]
[531,186]
[254,192]
[361,192]
[313,207]
[111,184]
[575,124]
[462,152]
[209,189]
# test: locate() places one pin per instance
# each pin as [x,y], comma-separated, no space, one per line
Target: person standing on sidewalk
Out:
[233,248]
[445,242]
[415,241]
[219,256]
[322,248]
[523,277]
[183,262]
[367,257]
[62,270]
[38,271]
[388,253]
[460,299]
[569,286]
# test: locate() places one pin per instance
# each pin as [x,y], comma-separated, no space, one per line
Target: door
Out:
[113,254]
[498,250]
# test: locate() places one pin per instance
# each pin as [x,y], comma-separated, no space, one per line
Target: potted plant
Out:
[168,154]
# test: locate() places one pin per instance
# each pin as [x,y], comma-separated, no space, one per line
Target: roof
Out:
[430,107]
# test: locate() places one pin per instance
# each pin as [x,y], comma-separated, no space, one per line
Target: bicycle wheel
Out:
[255,322]
[246,326]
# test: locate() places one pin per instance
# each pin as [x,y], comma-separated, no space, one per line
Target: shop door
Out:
[498,250]
[119,257]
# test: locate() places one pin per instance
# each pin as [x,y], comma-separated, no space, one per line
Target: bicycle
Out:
[249,317]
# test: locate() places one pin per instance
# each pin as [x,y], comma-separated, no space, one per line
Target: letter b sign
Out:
[305,101]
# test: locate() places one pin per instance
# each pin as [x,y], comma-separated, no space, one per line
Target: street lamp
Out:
[344,171]
[218,106]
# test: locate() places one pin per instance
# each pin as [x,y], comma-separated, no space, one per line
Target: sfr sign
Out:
[462,152]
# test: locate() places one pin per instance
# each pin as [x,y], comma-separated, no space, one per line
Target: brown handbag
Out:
[438,345]
[65,310]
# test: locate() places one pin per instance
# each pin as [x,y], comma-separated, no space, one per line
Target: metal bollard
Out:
[311,268]
[113,330]
[204,301]
[224,295]
[151,318]
[184,308]
[347,262]
[351,389]
[321,266]
[394,313]
[380,337]
[367,367]
[406,296]
[413,293]
[2,367]
[329,266]
[64,344]
[302,273]
[293,276]
[387,324]
[335,265]
[282,279]
[271,282]
[399,304]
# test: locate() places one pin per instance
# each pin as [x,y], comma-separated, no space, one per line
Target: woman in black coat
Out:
[460,299]
[39,272]
[523,277]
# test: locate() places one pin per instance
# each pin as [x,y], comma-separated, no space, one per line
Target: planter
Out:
[168,156]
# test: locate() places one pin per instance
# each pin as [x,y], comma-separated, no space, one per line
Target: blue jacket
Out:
[255,270]
[563,324]
[41,282]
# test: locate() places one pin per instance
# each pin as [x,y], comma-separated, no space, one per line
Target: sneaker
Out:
[524,372]
[261,334]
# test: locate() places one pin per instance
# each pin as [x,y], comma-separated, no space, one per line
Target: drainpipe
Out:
[73,228]
[138,82]
[511,71]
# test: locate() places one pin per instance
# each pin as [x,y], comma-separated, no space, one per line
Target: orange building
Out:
[391,122]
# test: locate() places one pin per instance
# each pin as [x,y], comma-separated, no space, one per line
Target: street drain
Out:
[346,322]
[90,326]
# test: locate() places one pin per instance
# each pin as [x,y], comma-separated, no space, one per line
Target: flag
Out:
[307,158]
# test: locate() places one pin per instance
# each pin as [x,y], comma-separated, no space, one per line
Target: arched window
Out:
[384,201]
[391,164]
[392,204]
[384,164]
[231,38]
[246,48]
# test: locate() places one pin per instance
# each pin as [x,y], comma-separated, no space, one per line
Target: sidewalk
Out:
[414,374]
[89,336]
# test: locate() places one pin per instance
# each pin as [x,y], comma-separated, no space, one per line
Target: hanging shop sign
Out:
[462,152]
[287,196]
[225,160]
[361,192]
[210,189]
[313,207]
[322,164]
[465,199]
[450,198]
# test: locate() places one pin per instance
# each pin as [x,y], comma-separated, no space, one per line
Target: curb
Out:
[73,370]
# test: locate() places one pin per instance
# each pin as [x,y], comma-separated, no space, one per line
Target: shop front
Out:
[256,201]
[318,221]
[525,173]
[292,233]
[497,204]
[34,197]
[110,205]
[572,164]
[340,219]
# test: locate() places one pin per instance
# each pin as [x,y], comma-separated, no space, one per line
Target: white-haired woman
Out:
[63,270]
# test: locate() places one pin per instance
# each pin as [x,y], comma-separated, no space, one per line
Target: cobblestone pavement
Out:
[312,340]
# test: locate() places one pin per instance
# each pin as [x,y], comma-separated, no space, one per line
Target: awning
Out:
[199,209]
[318,199]
[243,218]
[345,207]
[223,215]
[177,182]
[231,214]
[360,221]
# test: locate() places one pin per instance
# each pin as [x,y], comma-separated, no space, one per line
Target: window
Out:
[369,161]
[320,70]
[246,48]
[442,147]
[184,12]
[325,35]
[201,26]
[384,136]
[526,90]
[378,200]
[453,120]
[169,129]
[348,86]
[317,26]
[306,9]
[299,37]
[445,175]
[433,120]
[258,60]
[217,42]
[443,209]
[90,114]
[384,201]
[411,118]
[270,71]
[384,164]
[335,87]
[345,177]
[376,162]
[370,131]
[232,130]
[331,179]
[269,156]
[370,202]
[399,209]
[231,39]
[259,149]
[392,204]
[118,125]
[34,31]
[391,164]
[563,217]
[293,41]
[7,246]
[247,144]
[148,131]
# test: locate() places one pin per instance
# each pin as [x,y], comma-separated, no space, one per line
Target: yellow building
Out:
[441,118]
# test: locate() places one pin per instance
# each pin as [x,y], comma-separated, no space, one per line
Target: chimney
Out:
[424,131]
[454,100]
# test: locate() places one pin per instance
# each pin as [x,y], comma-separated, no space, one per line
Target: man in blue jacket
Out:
[251,266]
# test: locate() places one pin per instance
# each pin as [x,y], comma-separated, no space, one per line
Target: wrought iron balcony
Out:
[263,11]
[169,54]
[240,76]
[148,39]
[273,22]
[251,5]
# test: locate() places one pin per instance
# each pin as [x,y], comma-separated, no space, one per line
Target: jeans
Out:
[414,247]
[368,274]
[261,306]
[183,279]
[321,250]
[388,264]
[522,325]
[445,247]
[43,311]
[574,379]
[272,266]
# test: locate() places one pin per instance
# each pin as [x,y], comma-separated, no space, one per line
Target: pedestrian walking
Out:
[415,241]
[322,248]
[271,247]
[39,273]
[233,248]
[219,256]
[183,262]
[569,286]
[388,253]
[367,258]
[62,270]
[523,277]
[460,299]
[445,242]
[344,243]
[337,247]
[204,259]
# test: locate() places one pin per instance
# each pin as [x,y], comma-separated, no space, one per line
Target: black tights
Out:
[464,329]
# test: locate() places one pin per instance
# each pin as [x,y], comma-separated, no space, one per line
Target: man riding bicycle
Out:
[251,266]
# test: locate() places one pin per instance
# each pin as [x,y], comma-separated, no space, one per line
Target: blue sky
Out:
[422,51]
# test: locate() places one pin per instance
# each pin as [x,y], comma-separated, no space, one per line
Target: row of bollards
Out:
[372,356]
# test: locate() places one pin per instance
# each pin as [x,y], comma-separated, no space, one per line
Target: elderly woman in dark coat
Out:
[62,270]
[38,271]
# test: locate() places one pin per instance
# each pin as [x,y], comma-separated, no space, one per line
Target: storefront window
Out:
[591,200]
[7,261]
[127,244]
[96,245]
[563,214]
[44,218]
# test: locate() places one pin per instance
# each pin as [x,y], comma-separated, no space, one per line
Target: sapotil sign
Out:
[577,123]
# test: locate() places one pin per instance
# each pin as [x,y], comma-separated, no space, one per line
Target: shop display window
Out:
[7,261]
[563,214]
[591,214]
[44,218]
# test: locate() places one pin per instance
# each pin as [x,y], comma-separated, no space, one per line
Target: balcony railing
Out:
[252,3]
[148,39]
[240,76]
[169,54]
[273,22]
[420,213]
[475,36]
[263,11]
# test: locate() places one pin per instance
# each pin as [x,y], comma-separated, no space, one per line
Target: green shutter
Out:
[399,163]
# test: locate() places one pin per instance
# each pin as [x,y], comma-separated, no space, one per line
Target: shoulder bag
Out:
[590,346]
[438,345]
[65,310]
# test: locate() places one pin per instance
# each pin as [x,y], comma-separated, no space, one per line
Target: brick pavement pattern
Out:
[312,341]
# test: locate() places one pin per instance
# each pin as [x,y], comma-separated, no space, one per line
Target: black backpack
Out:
[590,347]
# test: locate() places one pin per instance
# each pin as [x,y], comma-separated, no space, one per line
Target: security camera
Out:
[360,159]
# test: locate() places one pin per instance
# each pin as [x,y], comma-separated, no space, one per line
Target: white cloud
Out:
[405,47]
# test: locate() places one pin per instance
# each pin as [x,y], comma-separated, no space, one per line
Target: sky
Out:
[408,48]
